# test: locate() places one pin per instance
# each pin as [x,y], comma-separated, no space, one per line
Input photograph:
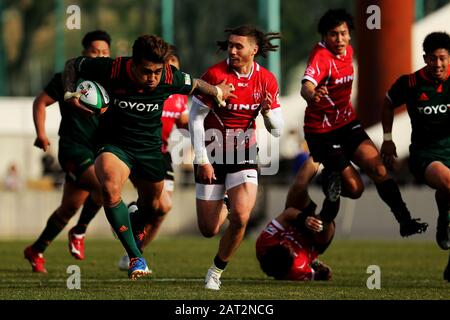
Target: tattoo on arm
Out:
[69,76]
[201,86]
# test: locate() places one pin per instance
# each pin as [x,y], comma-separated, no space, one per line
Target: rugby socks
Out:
[120,221]
[329,210]
[54,226]
[90,209]
[390,193]
[219,265]
[443,208]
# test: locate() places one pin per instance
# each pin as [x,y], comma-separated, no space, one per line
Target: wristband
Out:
[219,97]
[69,95]
[387,136]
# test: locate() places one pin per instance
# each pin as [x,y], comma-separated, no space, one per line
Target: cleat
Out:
[212,280]
[138,268]
[331,184]
[412,226]
[76,245]
[322,272]
[36,259]
[124,263]
[443,235]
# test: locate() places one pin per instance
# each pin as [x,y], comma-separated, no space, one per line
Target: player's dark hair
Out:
[151,48]
[263,40]
[174,53]
[436,40]
[96,35]
[333,18]
[277,262]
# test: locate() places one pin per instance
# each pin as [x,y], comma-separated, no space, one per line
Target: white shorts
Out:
[217,191]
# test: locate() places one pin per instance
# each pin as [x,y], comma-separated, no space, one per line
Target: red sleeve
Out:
[211,77]
[317,69]
[274,91]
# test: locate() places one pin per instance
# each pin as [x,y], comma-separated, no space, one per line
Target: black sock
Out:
[219,263]
[390,194]
[443,208]
[54,226]
[329,210]
[90,209]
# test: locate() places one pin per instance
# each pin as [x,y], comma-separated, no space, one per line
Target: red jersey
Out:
[250,89]
[173,108]
[275,234]
[336,73]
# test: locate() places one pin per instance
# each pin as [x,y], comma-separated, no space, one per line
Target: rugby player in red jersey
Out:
[130,130]
[426,94]
[287,249]
[227,163]
[334,135]
[76,155]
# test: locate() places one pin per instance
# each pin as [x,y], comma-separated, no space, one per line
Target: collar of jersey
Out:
[244,76]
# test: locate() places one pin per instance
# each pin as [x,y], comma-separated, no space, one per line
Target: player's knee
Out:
[165,207]
[208,231]
[238,221]
[377,173]
[111,193]
[353,190]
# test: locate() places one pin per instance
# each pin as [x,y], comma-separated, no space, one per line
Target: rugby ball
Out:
[93,96]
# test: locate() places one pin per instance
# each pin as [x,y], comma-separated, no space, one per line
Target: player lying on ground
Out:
[288,248]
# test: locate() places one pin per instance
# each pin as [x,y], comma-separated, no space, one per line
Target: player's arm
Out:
[197,115]
[183,121]
[300,220]
[312,93]
[220,92]
[98,69]
[69,78]
[395,97]
[271,111]
[388,149]
[39,104]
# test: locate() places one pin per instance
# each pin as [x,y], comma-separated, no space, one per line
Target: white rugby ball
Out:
[93,95]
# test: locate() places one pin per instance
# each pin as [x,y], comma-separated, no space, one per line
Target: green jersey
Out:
[75,126]
[428,105]
[133,121]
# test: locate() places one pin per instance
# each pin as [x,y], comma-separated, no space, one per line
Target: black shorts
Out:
[168,164]
[336,148]
[231,163]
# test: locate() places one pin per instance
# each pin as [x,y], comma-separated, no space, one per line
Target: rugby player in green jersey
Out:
[131,130]
[76,155]
[426,94]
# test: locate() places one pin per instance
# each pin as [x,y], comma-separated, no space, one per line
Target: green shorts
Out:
[144,164]
[419,160]
[74,158]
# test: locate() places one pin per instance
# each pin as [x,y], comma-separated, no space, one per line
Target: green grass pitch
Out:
[409,270]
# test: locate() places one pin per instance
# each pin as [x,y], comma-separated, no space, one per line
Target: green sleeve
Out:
[182,82]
